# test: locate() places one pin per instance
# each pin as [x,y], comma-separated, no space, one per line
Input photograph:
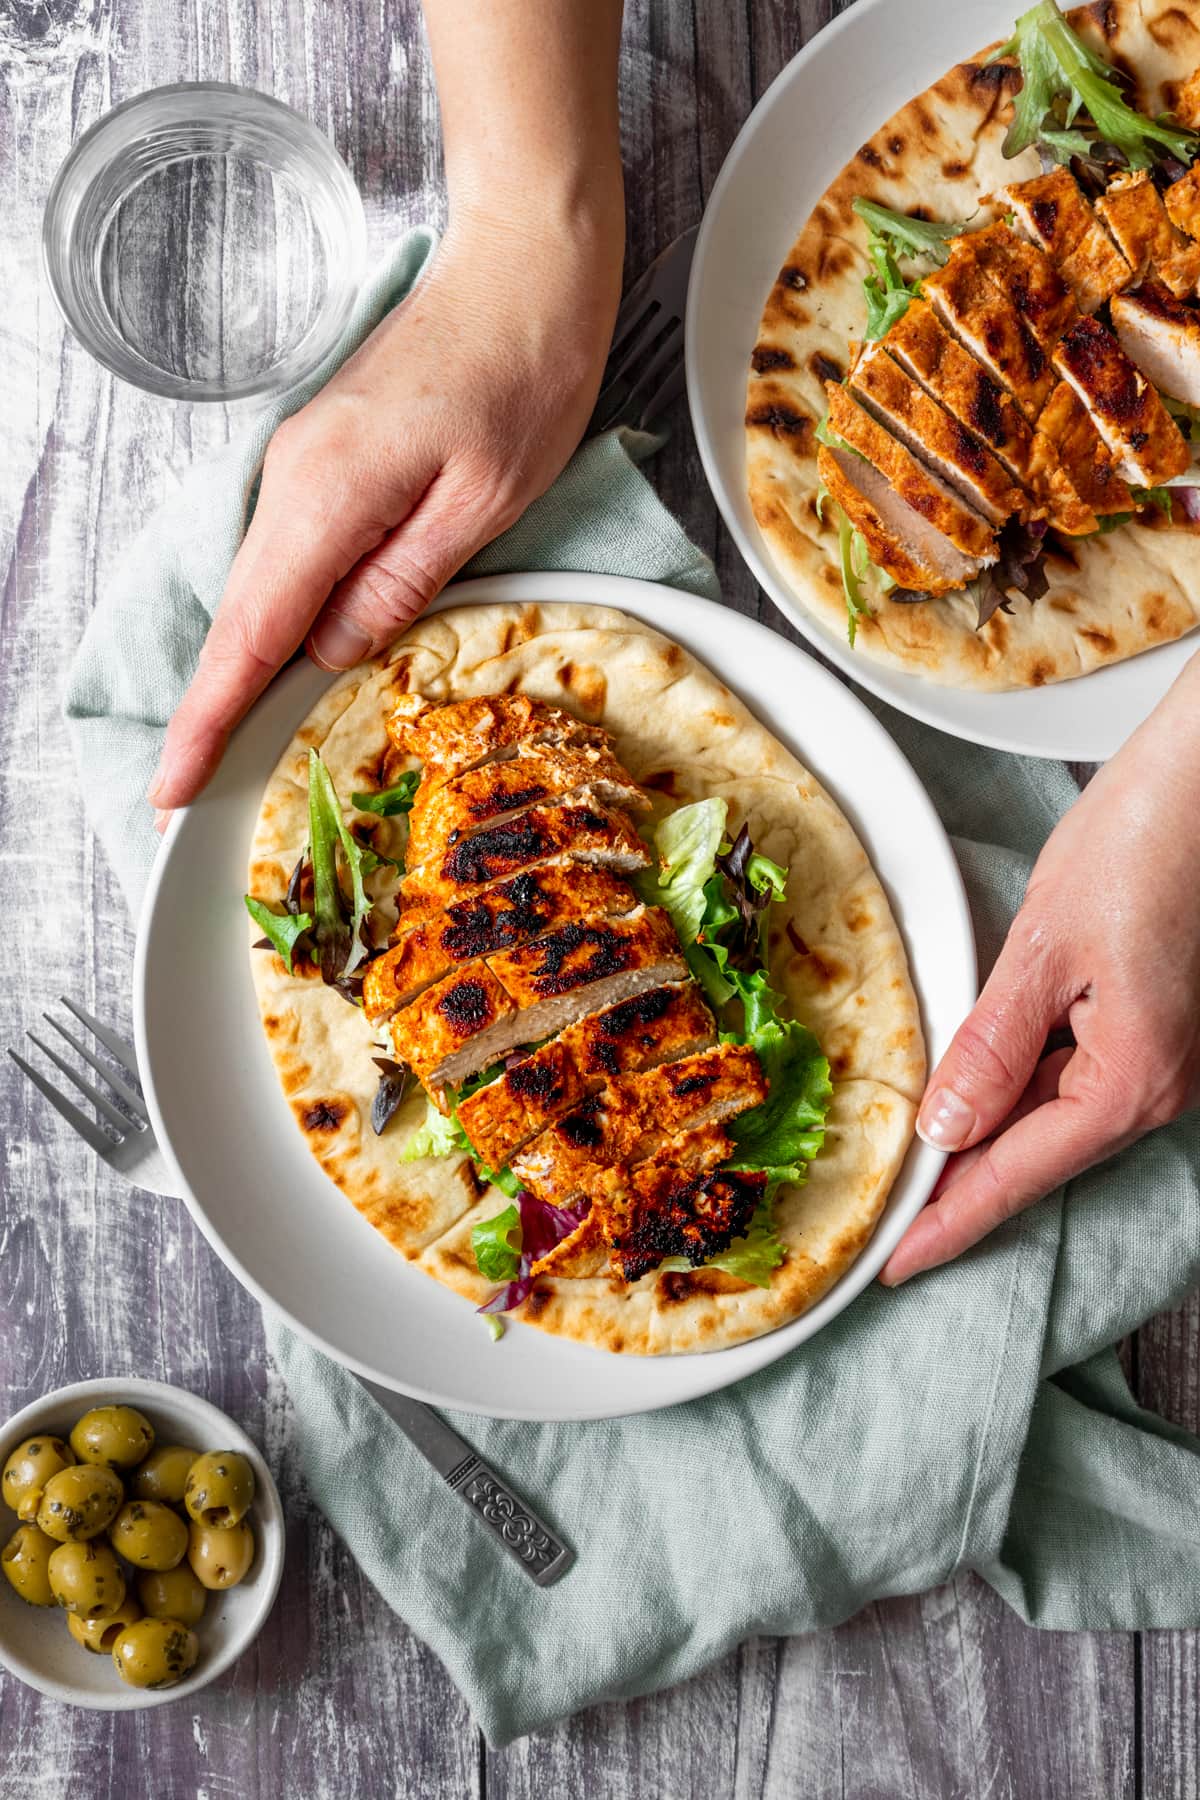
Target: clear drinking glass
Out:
[205,242]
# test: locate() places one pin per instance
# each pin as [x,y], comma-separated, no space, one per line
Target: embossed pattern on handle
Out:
[543,1557]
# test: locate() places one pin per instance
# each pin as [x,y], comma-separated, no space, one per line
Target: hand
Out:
[1107,941]
[458,410]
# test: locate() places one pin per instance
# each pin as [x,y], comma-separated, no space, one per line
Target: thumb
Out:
[996,1049]
[392,585]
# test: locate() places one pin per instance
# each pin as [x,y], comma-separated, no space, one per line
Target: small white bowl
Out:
[35,1644]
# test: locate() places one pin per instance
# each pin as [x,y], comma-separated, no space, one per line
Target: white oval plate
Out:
[262,1200]
[826,103]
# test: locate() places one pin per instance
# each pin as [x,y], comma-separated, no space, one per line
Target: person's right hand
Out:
[457,411]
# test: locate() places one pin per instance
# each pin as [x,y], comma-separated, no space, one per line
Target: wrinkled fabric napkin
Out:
[976,1418]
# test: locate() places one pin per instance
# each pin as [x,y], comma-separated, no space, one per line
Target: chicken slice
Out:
[512,912]
[1067,423]
[659,1026]
[934,436]
[1162,337]
[899,541]
[584,1252]
[1054,211]
[1125,409]
[1182,201]
[987,323]
[452,738]
[636,1116]
[921,344]
[1024,273]
[585,832]
[1141,227]
[658,1209]
[497,791]
[472,1018]
[910,481]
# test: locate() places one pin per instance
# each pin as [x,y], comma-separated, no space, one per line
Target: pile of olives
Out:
[127,1537]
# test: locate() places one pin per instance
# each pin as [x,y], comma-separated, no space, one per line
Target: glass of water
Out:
[205,242]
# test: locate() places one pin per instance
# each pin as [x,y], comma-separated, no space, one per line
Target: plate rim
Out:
[752,548]
[694,1379]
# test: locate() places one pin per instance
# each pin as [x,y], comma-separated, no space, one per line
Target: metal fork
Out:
[130,1147]
[644,372]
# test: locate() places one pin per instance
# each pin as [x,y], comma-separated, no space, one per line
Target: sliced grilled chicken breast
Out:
[660,1209]
[497,791]
[899,541]
[585,832]
[910,480]
[1141,228]
[934,436]
[636,1116]
[1162,337]
[584,1253]
[659,1026]
[1124,407]
[987,323]
[1067,423]
[487,1008]
[1054,211]
[1024,273]
[498,918]
[452,738]
[1182,201]
[921,344]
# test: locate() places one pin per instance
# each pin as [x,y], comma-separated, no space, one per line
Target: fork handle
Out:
[514,1525]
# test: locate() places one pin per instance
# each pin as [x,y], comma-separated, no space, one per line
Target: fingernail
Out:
[338,643]
[945,1120]
[154,791]
[161,820]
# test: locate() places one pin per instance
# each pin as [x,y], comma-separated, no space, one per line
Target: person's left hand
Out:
[1107,941]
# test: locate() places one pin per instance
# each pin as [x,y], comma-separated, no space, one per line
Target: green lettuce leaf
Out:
[854,563]
[497,1256]
[905,236]
[1155,496]
[282,929]
[337,936]
[783,1135]
[390,801]
[687,842]
[1061,75]
[436,1135]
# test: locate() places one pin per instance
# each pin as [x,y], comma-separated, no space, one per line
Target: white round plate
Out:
[259,1195]
[826,103]
[34,1641]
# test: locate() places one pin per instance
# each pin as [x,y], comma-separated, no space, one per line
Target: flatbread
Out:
[1110,597]
[835,952]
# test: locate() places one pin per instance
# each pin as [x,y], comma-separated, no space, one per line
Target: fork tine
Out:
[101,1102]
[665,395]
[88,1130]
[123,1052]
[652,324]
[635,302]
[623,400]
[134,1102]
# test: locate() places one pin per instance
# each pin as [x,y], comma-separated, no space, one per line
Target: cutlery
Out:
[644,372]
[130,1147]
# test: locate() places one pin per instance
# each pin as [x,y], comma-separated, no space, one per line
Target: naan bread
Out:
[1111,596]
[835,952]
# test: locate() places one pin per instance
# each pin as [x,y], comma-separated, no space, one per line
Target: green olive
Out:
[149,1535]
[101,1634]
[220,1556]
[79,1502]
[220,1489]
[28,1470]
[87,1579]
[114,1437]
[155,1653]
[163,1475]
[26,1559]
[173,1594]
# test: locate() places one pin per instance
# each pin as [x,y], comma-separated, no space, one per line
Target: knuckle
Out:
[398,589]
[982,1057]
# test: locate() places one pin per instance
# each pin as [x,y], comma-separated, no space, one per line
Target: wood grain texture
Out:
[946,1694]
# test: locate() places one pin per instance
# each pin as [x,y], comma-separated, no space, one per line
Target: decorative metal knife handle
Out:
[522,1533]
[528,1540]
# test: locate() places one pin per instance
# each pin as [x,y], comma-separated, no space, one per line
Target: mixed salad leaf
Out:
[1062,80]
[854,558]
[390,802]
[282,930]
[891,235]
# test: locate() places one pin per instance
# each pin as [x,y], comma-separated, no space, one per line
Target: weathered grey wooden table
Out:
[946,1694]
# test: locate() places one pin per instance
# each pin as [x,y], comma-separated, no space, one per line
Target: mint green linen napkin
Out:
[975,1418]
